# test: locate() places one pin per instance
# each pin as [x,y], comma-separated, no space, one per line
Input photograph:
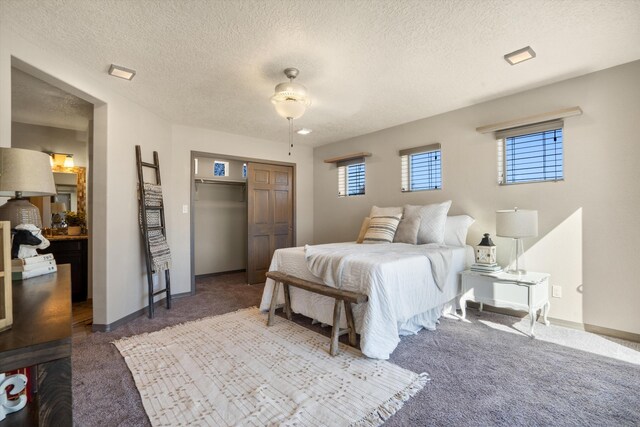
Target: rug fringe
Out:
[382,413]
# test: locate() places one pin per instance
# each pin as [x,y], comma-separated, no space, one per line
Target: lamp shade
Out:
[290,100]
[517,223]
[58,207]
[25,171]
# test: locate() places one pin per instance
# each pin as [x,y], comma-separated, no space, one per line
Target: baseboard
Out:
[220,273]
[126,319]
[600,330]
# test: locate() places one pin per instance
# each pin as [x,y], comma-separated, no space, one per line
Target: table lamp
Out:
[517,224]
[24,173]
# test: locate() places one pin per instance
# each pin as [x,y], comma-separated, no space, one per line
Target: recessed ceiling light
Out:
[520,55]
[304,131]
[123,73]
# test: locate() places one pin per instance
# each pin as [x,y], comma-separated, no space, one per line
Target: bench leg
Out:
[287,300]
[350,323]
[274,301]
[335,330]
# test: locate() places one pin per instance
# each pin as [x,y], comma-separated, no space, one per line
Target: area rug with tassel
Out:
[233,370]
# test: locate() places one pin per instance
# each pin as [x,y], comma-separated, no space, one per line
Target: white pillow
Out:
[376,211]
[432,220]
[456,228]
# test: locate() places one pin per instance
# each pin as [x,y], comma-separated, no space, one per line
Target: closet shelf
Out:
[219,181]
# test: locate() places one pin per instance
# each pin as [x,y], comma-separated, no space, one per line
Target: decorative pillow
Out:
[382,229]
[433,218]
[407,231]
[363,229]
[456,228]
[376,211]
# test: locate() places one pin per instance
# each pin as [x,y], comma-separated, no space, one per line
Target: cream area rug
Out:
[233,370]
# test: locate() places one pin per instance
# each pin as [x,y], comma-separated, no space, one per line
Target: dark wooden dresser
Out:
[41,338]
[72,250]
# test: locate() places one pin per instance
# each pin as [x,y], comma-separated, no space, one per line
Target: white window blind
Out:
[351,178]
[421,168]
[531,153]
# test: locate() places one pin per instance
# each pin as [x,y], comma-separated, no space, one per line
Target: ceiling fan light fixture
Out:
[520,55]
[121,72]
[290,99]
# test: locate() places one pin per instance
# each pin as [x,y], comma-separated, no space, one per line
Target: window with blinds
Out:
[421,168]
[531,153]
[351,178]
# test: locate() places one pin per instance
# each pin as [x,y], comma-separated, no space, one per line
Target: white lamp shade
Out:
[290,109]
[291,100]
[58,207]
[517,223]
[26,171]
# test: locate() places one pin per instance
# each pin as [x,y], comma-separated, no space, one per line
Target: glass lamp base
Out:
[20,211]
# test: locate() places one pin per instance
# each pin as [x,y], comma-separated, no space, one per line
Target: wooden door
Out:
[269,215]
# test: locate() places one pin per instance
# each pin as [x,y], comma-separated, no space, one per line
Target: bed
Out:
[404,296]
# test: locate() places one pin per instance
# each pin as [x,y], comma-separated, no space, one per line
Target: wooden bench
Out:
[339,295]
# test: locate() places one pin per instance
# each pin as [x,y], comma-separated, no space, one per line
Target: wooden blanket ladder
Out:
[146,228]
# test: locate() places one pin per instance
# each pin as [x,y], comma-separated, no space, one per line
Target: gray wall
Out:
[220,237]
[589,226]
[50,139]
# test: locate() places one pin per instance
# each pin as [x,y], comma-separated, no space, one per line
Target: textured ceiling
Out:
[369,65]
[38,103]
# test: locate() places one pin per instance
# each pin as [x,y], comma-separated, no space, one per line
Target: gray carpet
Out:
[483,372]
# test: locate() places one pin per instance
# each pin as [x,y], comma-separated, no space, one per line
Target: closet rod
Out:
[216,181]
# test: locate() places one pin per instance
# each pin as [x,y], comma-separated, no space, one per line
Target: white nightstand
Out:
[529,292]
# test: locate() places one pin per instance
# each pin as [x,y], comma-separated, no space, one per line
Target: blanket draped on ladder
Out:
[158,247]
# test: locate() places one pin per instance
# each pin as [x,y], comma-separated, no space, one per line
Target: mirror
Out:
[71,184]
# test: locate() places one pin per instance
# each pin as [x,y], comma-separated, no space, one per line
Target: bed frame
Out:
[339,295]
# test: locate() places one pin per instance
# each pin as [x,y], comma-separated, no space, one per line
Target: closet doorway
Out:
[242,210]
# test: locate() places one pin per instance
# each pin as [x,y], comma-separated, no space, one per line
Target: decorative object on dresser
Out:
[517,224]
[58,210]
[527,292]
[13,401]
[32,267]
[6,305]
[75,222]
[24,173]
[486,256]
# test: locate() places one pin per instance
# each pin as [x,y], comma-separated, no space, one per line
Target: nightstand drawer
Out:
[500,294]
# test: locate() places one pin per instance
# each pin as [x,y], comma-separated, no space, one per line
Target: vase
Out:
[74,230]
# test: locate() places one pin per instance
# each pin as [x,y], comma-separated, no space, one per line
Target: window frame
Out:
[523,131]
[406,156]
[224,163]
[343,177]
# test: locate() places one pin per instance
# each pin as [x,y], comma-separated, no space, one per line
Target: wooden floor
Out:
[82,315]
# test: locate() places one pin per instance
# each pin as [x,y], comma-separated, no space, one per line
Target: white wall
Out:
[220,237]
[53,140]
[186,139]
[589,223]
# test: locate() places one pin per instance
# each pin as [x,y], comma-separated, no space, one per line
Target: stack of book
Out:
[486,268]
[33,266]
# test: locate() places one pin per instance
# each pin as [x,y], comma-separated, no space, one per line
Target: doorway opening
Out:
[50,116]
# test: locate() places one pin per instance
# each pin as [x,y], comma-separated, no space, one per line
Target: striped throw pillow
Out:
[382,229]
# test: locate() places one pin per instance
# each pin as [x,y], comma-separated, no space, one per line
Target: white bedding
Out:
[403,297]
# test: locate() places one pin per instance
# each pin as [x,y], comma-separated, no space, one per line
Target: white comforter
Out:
[397,277]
